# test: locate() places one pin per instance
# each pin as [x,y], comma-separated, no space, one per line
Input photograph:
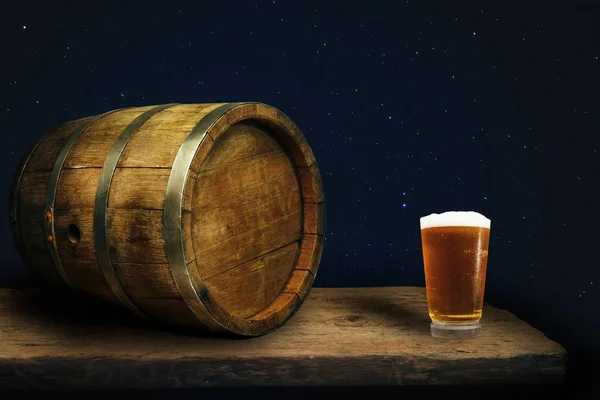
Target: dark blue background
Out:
[411,107]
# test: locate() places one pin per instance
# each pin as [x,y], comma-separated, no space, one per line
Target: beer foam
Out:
[455,218]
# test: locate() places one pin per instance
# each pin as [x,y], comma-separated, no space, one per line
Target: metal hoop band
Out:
[101,205]
[51,197]
[172,220]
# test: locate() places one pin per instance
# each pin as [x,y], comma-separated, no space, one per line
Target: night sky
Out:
[410,107]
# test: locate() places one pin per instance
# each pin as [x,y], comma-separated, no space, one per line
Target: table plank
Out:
[340,336]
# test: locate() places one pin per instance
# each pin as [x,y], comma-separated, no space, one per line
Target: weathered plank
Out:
[345,336]
[235,288]
[147,280]
[246,219]
[156,143]
[132,236]
[93,145]
[44,156]
[139,188]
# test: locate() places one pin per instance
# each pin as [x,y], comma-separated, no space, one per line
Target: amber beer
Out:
[455,252]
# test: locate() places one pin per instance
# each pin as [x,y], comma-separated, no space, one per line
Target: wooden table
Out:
[343,336]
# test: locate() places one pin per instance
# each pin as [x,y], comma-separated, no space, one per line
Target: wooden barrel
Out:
[208,216]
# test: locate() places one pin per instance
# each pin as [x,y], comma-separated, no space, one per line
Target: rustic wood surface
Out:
[252,217]
[345,336]
[246,219]
[239,263]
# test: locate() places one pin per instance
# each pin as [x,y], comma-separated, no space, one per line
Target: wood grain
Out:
[245,206]
[157,141]
[139,188]
[247,209]
[83,219]
[279,310]
[45,154]
[344,336]
[77,188]
[147,280]
[79,258]
[252,286]
[31,198]
[95,142]
[33,188]
[135,236]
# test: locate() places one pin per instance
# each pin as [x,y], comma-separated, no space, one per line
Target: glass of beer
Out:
[455,252]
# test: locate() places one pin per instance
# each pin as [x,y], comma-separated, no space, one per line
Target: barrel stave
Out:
[30,198]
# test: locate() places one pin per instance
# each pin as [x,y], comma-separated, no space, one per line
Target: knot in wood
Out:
[352,321]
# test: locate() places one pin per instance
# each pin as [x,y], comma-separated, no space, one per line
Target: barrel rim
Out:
[196,295]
